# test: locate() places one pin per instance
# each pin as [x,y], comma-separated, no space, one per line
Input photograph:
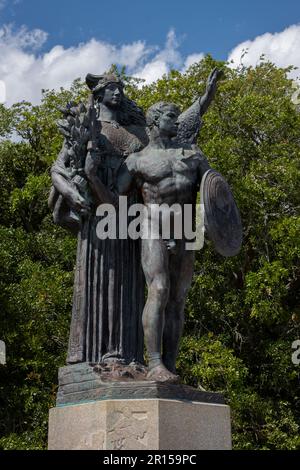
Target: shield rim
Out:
[228,252]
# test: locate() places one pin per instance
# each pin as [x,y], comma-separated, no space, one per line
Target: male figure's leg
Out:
[181,268]
[155,261]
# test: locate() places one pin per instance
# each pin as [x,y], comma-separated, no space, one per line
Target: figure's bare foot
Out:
[161,374]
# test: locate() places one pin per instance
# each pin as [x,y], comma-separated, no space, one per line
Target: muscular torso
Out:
[169,175]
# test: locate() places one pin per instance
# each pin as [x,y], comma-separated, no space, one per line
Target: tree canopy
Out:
[242,313]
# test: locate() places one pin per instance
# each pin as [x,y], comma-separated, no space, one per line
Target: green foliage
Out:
[242,314]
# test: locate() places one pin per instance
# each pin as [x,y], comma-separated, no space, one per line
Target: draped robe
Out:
[109,285]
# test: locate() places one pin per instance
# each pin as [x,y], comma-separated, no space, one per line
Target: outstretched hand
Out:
[214,75]
[211,87]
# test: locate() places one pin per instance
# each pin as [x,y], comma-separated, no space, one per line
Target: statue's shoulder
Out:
[141,153]
[132,160]
[192,150]
[186,150]
[135,155]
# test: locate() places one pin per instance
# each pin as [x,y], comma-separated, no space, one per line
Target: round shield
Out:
[221,216]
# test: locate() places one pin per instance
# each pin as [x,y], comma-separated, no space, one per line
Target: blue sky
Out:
[150,37]
[215,27]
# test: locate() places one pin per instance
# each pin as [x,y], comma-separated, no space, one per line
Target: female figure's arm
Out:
[61,179]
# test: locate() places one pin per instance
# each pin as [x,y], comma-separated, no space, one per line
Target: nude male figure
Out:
[164,173]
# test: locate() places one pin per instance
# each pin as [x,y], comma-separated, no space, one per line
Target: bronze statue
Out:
[108,300]
[168,173]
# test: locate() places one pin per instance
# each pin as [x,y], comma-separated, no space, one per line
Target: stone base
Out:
[143,424]
[80,383]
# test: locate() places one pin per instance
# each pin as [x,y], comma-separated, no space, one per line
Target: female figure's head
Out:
[108,89]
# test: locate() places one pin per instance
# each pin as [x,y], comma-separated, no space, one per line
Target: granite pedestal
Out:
[135,415]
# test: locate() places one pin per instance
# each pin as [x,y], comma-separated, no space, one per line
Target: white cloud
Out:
[3,3]
[165,59]
[192,59]
[25,71]
[22,38]
[282,48]
[169,57]
[2,92]
[153,71]
[170,53]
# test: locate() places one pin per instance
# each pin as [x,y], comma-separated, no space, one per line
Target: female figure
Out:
[109,285]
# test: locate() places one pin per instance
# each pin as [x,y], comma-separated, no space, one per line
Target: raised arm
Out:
[211,88]
[190,120]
